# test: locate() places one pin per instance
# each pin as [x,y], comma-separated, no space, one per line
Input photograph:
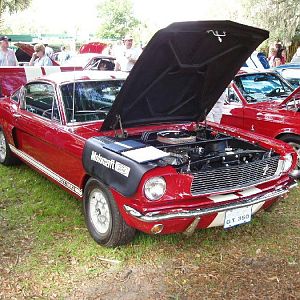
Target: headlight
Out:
[287,163]
[155,188]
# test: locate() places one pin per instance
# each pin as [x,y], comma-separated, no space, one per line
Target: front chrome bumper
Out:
[199,212]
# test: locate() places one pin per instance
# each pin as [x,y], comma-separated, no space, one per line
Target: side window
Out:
[40,100]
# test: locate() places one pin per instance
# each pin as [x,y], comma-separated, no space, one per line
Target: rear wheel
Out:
[6,156]
[102,216]
[294,141]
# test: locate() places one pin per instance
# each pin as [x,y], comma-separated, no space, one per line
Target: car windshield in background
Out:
[262,87]
[89,100]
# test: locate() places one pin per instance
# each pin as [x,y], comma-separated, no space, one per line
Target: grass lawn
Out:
[46,252]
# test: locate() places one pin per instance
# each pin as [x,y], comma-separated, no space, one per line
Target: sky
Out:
[59,16]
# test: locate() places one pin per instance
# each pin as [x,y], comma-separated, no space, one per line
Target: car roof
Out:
[65,77]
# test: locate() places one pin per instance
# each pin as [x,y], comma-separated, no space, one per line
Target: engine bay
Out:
[203,149]
[210,156]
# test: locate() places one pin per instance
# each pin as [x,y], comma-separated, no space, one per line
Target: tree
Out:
[280,17]
[117,19]
[12,6]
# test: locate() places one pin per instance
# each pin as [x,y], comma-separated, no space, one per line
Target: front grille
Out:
[234,177]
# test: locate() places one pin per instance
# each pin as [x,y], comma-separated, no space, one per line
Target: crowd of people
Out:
[126,54]
[277,55]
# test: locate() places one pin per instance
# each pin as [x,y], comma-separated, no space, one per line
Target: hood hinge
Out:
[123,133]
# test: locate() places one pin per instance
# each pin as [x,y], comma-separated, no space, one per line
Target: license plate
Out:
[237,216]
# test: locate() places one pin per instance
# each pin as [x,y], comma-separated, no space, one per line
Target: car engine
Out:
[216,161]
[203,150]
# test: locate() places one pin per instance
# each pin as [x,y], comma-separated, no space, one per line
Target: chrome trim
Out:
[199,212]
[194,188]
[41,167]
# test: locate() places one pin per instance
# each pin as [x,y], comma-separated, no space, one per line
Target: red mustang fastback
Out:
[265,103]
[136,150]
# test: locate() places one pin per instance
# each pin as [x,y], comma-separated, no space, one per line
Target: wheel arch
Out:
[288,133]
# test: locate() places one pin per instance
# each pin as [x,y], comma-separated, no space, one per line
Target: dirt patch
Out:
[241,278]
[138,282]
[130,283]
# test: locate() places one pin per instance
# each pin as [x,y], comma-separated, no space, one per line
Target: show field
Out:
[46,252]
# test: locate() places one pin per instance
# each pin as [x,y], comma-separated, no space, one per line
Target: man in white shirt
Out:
[7,56]
[128,56]
[215,115]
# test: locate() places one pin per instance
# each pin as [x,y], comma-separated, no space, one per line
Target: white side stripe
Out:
[75,189]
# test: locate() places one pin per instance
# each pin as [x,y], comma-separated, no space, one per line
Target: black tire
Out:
[294,141]
[7,158]
[102,216]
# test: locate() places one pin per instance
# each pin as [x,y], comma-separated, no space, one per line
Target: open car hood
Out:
[25,47]
[92,47]
[182,72]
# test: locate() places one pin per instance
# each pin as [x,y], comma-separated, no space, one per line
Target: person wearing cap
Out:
[7,56]
[128,56]
[39,58]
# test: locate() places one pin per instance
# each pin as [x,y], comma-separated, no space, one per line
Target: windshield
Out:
[92,99]
[262,87]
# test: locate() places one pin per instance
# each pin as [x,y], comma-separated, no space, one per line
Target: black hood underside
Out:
[182,72]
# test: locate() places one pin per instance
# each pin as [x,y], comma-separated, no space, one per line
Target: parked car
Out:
[291,72]
[257,60]
[91,61]
[12,78]
[137,152]
[93,47]
[265,103]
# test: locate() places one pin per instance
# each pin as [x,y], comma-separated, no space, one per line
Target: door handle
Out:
[259,114]
[16,115]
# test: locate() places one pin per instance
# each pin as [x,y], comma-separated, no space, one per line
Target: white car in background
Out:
[91,61]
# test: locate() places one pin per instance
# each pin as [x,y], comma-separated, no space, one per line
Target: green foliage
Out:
[280,17]
[46,250]
[117,19]
[13,5]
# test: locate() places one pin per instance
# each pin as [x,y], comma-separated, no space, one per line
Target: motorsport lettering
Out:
[110,164]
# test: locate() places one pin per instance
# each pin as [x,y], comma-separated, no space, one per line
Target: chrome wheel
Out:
[2,147]
[99,211]
[102,216]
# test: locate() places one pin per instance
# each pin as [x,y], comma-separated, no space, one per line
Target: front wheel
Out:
[294,141]
[6,156]
[102,216]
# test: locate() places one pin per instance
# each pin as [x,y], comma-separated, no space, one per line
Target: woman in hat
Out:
[39,57]
[7,56]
